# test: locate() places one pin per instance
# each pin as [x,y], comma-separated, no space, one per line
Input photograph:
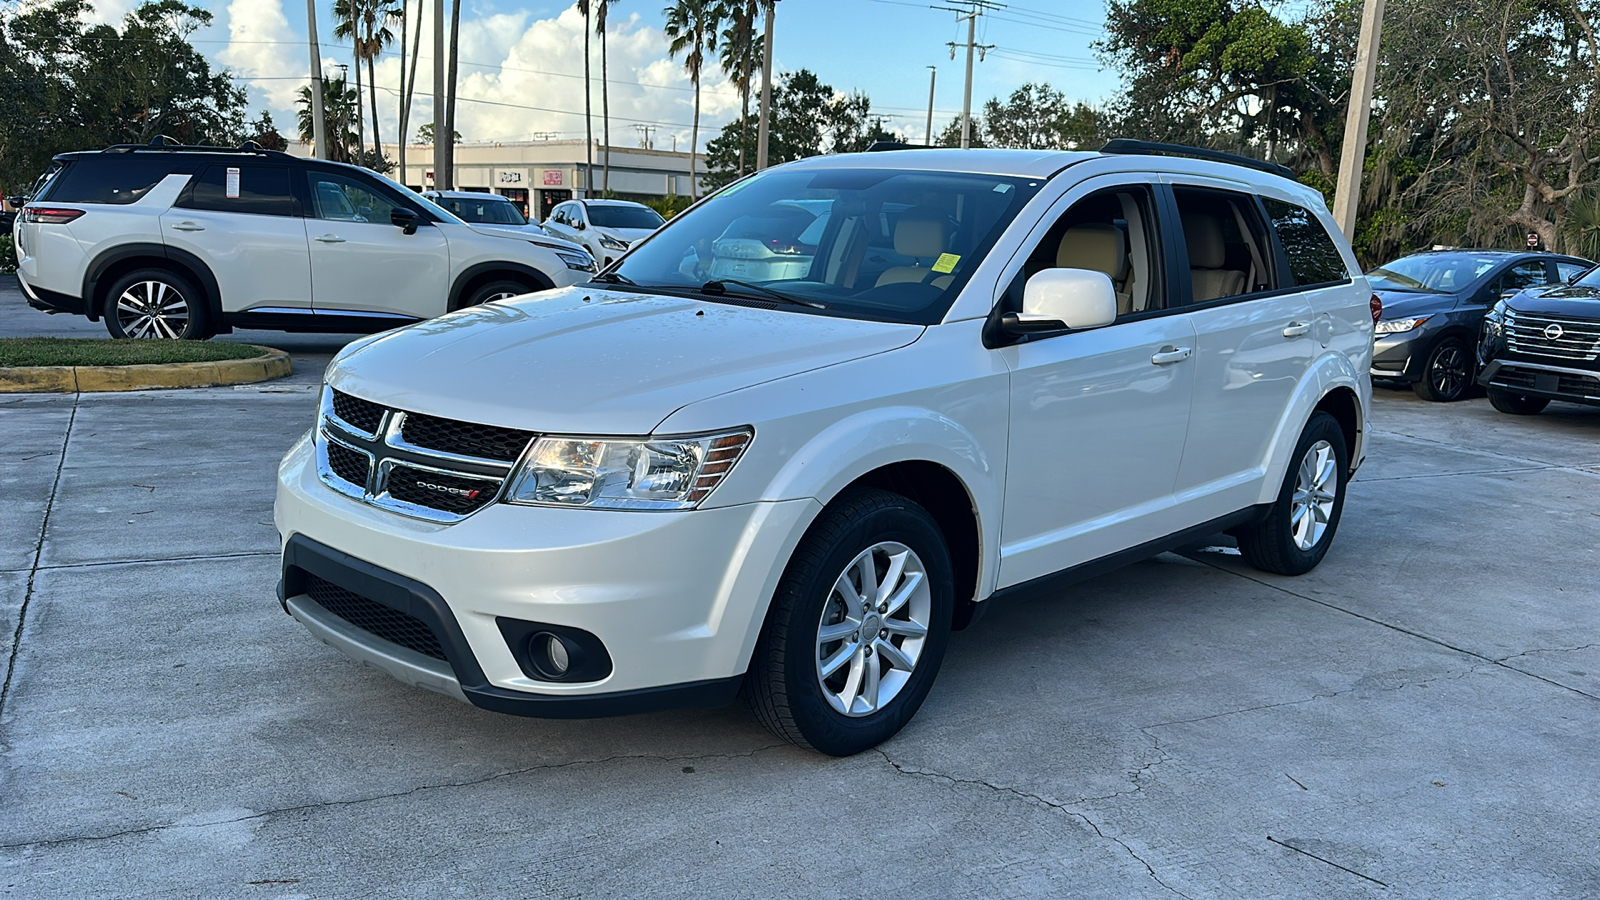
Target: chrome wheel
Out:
[1315,489]
[874,625]
[503,295]
[152,309]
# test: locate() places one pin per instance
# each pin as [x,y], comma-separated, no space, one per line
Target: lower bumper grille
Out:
[378,620]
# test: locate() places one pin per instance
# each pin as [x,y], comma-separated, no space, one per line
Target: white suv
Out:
[606,228]
[182,242]
[1001,370]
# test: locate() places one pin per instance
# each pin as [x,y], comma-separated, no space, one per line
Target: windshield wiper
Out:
[720,286]
[614,278]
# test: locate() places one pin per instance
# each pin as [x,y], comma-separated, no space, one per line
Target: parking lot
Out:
[1417,717]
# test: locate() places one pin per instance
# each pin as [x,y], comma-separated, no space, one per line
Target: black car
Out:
[1542,345]
[1433,307]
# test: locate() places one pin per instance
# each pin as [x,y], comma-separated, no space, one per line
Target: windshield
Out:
[488,209]
[1432,273]
[881,244]
[416,198]
[624,216]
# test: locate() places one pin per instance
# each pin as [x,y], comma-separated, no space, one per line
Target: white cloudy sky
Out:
[521,70]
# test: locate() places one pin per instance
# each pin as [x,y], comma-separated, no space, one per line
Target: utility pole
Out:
[319,127]
[441,149]
[644,135]
[764,126]
[971,10]
[1347,195]
[933,76]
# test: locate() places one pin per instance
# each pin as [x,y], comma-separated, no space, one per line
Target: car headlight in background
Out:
[626,473]
[611,243]
[583,262]
[1398,326]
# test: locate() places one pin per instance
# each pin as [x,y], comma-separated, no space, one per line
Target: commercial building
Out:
[539,174]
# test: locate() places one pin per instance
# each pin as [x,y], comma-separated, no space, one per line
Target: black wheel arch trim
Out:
[195,267]
[513,270]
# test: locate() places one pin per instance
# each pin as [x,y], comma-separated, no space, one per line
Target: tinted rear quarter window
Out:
[263,190]
[112,178]
[1313,257]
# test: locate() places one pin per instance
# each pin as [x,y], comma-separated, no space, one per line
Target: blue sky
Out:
[522,65]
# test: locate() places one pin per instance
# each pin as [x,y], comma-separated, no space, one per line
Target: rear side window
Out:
[1313,258]
[263,190]
[1567,271]
[115,178]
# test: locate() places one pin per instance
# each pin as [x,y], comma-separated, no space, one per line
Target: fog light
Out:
[550,655]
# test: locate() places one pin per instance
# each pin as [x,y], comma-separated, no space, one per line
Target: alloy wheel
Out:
[152,309]
[874,625]
[1315,489]
[1448,373]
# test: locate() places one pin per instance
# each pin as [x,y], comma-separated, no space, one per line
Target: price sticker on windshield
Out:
[946,263]
[233,184]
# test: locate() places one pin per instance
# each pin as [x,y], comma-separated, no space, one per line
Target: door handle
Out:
[1296,329]
[330,239]
[188,226]
[1169,354]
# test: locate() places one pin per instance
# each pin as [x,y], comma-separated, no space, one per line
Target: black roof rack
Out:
[880,146]
[162,143]
[1132,147]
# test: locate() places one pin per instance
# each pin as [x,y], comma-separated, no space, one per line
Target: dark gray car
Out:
[1433,308]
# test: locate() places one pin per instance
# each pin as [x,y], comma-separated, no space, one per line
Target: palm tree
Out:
[601,7]
[408,83]
[692,25]
[449,123]
[347,26]
[584,6]
[741,56]
[340,107]
[375,18]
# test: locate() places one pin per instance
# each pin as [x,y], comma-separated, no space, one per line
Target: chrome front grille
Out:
[1569,339]
[421,466]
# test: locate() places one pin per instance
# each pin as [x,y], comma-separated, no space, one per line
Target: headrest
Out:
[1203,233]
[1096,247]
[922,232]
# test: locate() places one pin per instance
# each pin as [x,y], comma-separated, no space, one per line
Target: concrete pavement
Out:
[1415,718]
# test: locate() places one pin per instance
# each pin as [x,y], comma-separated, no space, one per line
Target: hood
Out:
[631,235]
[588,361]
[1567,301]
[526,233]
[1405,304]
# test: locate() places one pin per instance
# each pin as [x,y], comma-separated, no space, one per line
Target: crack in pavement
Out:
[55,567]
[356,801]
[1547,650]
[1400,628]
[1313,698]
[1033,798]
[1529,462]
[38,551]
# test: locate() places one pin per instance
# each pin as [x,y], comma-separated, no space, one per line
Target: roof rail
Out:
[1132,147]
[880,146]
[164,144]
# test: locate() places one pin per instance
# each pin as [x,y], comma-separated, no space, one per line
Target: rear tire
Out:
[833,673]
[1447,373]
[1516,404]
[1297,531]
[155,304]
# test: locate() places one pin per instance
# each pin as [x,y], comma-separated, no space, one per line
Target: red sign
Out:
[552,178]
[1533,239]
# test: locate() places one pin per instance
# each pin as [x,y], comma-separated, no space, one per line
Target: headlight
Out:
[611,243]
[581,262]
[612,473]
[1396,326]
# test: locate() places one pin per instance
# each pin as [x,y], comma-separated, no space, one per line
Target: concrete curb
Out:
[85,379]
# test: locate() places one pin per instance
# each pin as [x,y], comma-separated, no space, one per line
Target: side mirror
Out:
[578,224]
[1508,293]
[404,219]
[16,202]
[1058,299]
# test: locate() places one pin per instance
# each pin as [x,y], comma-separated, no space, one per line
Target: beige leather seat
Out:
[923,233]
[1098,248]
[1208,253]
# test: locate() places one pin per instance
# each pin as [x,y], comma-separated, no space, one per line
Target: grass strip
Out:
[50,351]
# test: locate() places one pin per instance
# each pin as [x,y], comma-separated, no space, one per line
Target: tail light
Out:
[49,215]
[1376,306]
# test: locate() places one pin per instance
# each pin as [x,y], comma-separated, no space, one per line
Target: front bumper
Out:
[1395,357]
[676,598]
[1543,380]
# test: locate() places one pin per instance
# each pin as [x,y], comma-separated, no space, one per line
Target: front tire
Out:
[858,626]
[155,304]
[1516,404]
[500,289]
[1447,373]
[1298,529]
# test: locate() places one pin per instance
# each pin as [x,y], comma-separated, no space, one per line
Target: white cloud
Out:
[260,44]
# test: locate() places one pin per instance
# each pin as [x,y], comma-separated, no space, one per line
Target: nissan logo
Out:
[1553,332]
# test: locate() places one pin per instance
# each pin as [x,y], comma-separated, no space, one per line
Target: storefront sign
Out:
[552,177]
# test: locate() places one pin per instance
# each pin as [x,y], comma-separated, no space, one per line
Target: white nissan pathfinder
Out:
[994,370]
